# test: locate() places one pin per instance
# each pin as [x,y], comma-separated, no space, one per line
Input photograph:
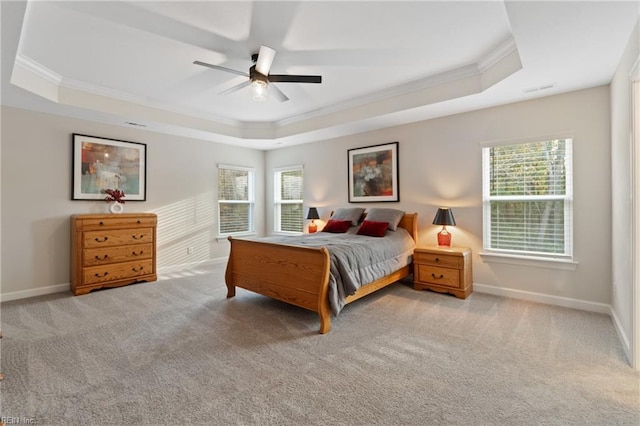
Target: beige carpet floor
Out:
[177,352]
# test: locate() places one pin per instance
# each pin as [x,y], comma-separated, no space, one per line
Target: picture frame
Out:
[102,163]
[373,173]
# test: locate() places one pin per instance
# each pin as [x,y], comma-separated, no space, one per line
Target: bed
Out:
[302,270]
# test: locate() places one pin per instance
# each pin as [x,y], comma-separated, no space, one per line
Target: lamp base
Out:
[444,238]
[313,227]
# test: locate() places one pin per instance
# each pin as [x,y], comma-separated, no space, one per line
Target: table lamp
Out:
[444,217]
[313,214]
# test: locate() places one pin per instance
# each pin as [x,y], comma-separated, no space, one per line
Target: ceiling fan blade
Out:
[265,59]
[235,88]
[218,67]
[279,78]
[279,94]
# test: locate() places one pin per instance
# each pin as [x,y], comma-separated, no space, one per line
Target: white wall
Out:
[621,190]
[440,165]
[36,197]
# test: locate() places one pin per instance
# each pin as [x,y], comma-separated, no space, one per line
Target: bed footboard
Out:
[292,274]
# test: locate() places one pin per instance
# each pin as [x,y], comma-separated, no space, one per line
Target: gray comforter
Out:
[356,260]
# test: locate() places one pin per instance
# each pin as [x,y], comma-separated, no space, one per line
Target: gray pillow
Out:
[391,216]
[352,213]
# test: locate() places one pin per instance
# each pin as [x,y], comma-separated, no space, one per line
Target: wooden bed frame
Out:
[297,275]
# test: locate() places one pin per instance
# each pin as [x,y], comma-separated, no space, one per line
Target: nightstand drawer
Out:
[439,259]
[436,275]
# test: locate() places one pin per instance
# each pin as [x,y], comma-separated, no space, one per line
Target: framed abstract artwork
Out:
[100,163]
[373,173]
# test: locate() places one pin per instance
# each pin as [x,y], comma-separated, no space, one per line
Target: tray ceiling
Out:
[382,63]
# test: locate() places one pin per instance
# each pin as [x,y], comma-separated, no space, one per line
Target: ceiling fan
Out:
[259,77]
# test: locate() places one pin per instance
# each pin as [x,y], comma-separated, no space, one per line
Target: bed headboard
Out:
[410,222]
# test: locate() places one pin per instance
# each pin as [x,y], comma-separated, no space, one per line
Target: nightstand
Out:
[443,269]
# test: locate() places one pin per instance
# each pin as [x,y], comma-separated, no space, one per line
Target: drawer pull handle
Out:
[102,258]
[135,237]
[133,253]
[98,240]
[437,278]
[101,223]
[101,275]
[134,269]
[437,259]
[139,222]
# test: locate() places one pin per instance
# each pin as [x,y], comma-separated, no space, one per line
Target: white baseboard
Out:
[624,339]
[566,302]
[40,291]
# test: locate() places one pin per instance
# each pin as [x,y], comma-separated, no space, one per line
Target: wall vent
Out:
[131,123]
[538,88]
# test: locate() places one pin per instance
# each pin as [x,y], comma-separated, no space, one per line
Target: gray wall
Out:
[440,165]
[36,197]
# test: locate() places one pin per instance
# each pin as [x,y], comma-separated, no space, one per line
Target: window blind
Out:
[235,200]
[527,191]
[289,215]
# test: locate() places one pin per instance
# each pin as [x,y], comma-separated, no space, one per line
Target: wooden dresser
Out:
[443,269]
[112,250]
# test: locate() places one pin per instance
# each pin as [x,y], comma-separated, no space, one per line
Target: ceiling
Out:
[382,63]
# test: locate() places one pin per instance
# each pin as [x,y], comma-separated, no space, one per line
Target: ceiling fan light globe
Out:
[259,90]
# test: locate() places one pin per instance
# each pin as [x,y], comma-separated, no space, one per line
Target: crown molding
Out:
[34,67]
[431,89]
[399,90]
[31,66]
[72,84]
[503,50]
[82,86]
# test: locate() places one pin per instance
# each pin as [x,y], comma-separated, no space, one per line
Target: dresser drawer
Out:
[436,275]
[117,271]
[118,237]
[107,255]
[116,221]
[439,259]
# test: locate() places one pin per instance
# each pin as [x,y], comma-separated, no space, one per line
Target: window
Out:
[287,184]
[527,198]
[235,200]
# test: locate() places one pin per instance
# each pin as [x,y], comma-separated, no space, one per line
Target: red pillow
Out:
[373,229]
[337,226]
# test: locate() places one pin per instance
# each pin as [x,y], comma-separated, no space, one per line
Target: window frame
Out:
[250,200]
[531,258]
[278,202]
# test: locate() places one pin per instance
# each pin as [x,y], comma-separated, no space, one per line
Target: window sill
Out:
[537,262]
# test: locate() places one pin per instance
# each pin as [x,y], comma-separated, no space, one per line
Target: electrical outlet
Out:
[189,250]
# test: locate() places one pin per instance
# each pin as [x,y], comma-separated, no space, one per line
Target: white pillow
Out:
[391,216]
[352,213]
